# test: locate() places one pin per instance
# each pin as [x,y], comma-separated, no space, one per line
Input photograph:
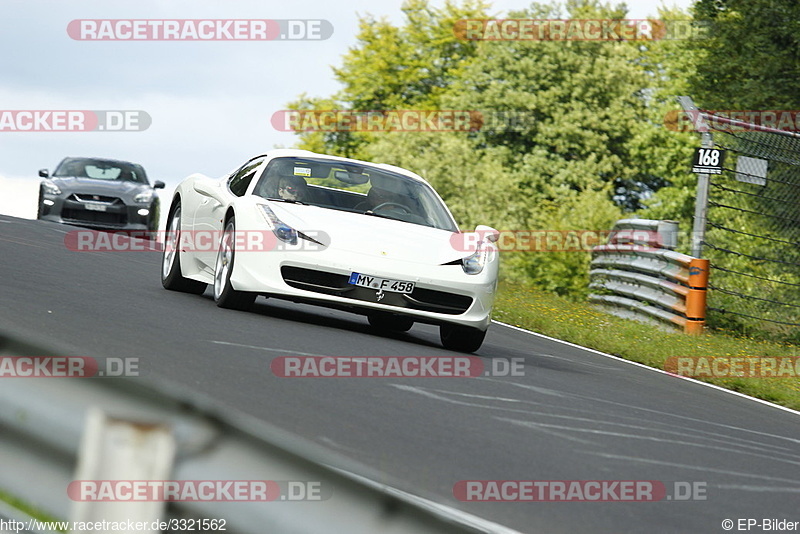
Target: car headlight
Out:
[144,198]
[50,187]
[282,231]
[475,263]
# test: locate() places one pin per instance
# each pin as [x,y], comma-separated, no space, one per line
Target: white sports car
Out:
[373,239]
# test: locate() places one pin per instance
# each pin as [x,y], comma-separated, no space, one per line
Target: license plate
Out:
[93,206]
[376,283]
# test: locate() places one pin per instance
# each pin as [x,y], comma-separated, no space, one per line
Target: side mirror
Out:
[44,173]
[159,184]
[490,234]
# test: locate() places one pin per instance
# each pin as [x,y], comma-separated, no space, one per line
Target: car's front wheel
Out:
[224,294]
[40,208]
[171,277]
[461,338]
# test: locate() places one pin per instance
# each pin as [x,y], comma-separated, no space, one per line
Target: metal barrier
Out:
[56,430]
[640,276]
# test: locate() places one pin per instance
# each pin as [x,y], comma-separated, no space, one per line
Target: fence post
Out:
[701,200]
[696,299]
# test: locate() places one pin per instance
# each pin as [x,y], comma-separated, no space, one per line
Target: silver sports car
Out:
[100,193]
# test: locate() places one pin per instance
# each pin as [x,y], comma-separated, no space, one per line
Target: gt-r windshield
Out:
[99,169]
[355,188]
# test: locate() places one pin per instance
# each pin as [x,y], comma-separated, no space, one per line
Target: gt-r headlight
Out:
[282,231]
[145,197]
[475,263]
[50,187]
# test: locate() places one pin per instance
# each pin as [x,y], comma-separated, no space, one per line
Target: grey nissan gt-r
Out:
[99,193]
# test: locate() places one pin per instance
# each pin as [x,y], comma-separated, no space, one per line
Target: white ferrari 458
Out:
[373,239]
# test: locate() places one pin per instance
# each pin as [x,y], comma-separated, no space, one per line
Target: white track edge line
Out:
[656,369]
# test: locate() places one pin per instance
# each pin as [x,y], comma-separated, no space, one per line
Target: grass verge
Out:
[581,323]
[28,510]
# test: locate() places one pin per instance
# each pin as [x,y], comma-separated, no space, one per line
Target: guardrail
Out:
[639,275]
[59,430]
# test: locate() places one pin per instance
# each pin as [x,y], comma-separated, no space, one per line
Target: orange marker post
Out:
[696,299]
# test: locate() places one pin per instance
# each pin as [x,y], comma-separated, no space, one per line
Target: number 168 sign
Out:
[708,161]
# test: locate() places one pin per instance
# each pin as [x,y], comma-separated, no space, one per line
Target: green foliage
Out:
[395,68]
[762,228]
[668,63]
[750,59]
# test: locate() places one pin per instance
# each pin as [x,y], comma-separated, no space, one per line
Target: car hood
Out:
[376,236]
[99,187]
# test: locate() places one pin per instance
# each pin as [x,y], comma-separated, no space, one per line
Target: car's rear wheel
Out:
[224,294]
[461,338]
[171,277]
[390,322]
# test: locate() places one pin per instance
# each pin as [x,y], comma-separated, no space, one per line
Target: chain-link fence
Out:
[753,230]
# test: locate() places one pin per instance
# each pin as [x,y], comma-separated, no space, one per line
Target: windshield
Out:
[99,169]
[355,188]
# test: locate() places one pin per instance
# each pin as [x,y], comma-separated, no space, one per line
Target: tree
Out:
[669,63]
[395,68]
[749,56]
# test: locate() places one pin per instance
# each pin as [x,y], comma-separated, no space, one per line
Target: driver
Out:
[292,188]
[377,196]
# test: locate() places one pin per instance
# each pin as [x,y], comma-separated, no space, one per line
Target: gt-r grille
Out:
[337,284]
[99,217]
[81,197]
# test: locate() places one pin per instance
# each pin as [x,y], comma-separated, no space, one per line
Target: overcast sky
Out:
[210,102]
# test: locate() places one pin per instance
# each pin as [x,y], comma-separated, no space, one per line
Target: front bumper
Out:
[443,294]
[106,215]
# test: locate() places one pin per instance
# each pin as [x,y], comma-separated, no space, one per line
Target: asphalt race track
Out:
[574,415]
